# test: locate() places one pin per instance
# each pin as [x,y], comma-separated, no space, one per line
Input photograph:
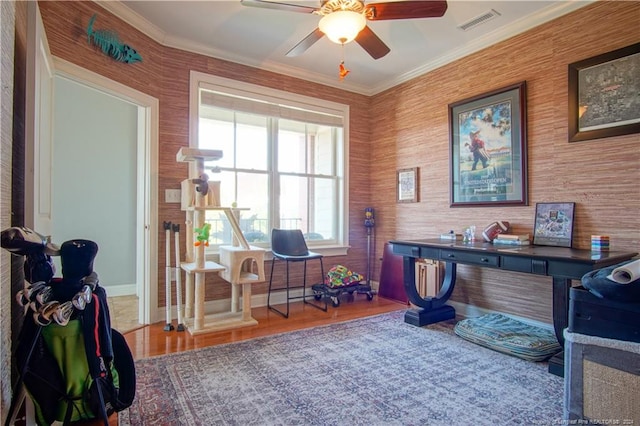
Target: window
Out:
[284,160]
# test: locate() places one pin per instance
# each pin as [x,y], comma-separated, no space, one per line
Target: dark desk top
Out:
[529,251]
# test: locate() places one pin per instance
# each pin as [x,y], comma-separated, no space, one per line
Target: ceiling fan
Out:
[348,18]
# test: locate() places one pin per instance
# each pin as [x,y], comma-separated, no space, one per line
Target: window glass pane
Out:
[323,208]
[253,193]
[217,134]
[308,204]
[324,149]
[293,203]
[220,227]
[306,148]
[292,149]
[250,192]
[251,142]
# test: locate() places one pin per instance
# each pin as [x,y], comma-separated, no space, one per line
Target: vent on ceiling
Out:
[481,19]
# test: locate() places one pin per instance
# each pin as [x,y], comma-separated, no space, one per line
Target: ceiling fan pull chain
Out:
[342,71]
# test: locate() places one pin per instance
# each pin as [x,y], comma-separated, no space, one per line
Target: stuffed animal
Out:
[202,235]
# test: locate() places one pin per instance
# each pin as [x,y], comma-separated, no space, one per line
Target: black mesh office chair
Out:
[289,245]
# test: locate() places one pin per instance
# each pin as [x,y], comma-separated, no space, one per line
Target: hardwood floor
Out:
[152,340]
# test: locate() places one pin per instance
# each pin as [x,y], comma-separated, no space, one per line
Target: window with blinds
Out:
[283,164]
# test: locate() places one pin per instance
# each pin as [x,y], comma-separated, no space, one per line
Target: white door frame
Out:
[148,124]
[38,125]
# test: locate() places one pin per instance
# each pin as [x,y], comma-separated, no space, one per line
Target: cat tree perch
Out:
[236,261]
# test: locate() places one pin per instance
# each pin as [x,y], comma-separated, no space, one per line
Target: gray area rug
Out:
[371,371]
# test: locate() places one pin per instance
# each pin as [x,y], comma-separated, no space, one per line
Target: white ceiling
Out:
[261,37]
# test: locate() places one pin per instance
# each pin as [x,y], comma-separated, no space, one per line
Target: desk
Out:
[561,263]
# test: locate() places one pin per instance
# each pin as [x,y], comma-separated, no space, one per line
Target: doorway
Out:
[41,164]
[105,150]
[94,190]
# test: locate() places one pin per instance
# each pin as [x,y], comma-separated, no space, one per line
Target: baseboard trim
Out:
[279,297]
[121,290]
[224,305]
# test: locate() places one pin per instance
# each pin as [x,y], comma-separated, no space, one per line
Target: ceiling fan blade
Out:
[278,6]
[372,43]
[405,10]
[305,43]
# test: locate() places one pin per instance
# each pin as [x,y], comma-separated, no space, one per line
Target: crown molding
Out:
[137,21]
[288,70]
[517,27]
[134,19]
[504,33]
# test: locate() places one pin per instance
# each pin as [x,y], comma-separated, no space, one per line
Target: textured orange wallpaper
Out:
[600,176]
[407,126]
[164,74]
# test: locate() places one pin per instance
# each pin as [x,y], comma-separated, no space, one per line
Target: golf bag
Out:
[82,370]
[73,365]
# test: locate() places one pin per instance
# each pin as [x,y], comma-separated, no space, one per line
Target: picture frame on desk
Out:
[488,149]
[407,185]
[553,225]
[603,95]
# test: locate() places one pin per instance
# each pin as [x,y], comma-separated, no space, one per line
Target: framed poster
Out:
[407,185]
[554,224]
[603,95]
[488,149]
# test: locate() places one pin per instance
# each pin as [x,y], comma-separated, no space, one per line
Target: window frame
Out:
[199,80]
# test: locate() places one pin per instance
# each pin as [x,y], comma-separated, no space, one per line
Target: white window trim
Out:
[199,80]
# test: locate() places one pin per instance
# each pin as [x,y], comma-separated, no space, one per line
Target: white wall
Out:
[94,177]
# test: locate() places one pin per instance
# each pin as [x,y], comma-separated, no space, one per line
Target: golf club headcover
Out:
[76,257]
[38,266]
[24,241]
[38,249]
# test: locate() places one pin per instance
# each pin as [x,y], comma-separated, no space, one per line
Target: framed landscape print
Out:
[554,224]
[488,149]
[603,95]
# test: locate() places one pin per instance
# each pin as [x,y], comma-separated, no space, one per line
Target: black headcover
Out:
[37,249]
[76,257]
[24,241]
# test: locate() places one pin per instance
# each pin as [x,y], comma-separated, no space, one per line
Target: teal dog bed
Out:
[509,336]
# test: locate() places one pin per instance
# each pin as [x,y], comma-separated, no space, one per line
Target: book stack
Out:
[451,236]
[599,242]
[512,239]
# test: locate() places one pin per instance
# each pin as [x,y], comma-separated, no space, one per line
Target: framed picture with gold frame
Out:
[407,185]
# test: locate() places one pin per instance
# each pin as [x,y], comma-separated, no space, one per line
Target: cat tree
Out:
[237,261]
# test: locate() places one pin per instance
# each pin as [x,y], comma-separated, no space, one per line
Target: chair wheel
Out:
[369,296]
[317,296]
[335,302]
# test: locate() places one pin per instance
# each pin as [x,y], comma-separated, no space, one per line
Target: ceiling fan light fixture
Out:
[342,26]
